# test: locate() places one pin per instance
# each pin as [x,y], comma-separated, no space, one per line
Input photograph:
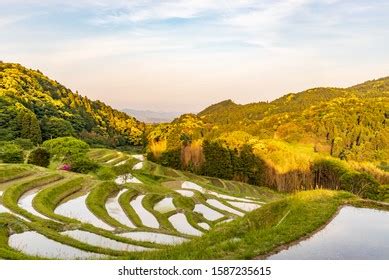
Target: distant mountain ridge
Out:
[348,123]
[228,111]
[149,116]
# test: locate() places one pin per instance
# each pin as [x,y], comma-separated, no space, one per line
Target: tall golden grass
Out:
[192,155]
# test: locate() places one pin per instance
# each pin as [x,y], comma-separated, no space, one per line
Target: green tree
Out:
[361,184]
[29,125]
[11,153]
[54,127]
[40,157]
[217,160]
[66,147]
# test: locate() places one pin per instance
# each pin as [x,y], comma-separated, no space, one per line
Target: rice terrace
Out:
[302,177]
[55,214]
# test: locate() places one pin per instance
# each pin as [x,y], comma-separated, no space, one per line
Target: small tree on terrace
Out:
[40,157]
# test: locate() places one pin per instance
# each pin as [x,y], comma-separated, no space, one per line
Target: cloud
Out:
[11,19]
[267,15]
[151,10]
[220,49]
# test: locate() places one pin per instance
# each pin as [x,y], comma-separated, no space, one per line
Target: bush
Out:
[25,144]
[217,161]
[383,193]
[361,184]
[327,173]
[66,147]
[105,173]
[11,153]
[40,157]
[83,165]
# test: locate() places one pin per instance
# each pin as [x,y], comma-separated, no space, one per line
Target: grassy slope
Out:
[262,230]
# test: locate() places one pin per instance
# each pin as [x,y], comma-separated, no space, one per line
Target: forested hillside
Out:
[281,142]
[32,106]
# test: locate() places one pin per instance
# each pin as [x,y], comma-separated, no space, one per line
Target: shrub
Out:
[40,157]
[66,147]
[383,193]
[105,173]
[327,173]
[83,165]
[361,184]
[11,153]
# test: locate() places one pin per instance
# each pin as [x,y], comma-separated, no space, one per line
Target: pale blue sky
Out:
[183,55]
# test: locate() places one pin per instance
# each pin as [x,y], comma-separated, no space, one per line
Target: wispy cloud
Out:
[197,49]
[267,14]
[11,19]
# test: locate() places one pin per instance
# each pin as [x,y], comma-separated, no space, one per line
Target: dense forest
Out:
[34,107]
[299,141]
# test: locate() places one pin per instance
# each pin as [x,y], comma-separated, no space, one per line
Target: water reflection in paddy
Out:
[36,244]
[207,212]
[165,205]
[147,218]
[181,224]
[25,202]
[77,209]
[101,241]
[185,193]
[115,210]
[218,204]
[245,206]
[154,237]
[355,233]
[127,178]
[138,166]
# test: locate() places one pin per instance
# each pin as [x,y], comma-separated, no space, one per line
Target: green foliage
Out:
[83,165]
[327,173]
[11,153]
[218,161]
[40,157]
[54,127]
[66,147]
[347,123]
[383,193]
[25,144]
[105,173]
[361,184]
[28,124]
[251,169]
[171,158]
[30,101]
[122,169]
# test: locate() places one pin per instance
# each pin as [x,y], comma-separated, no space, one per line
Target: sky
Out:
[183,55]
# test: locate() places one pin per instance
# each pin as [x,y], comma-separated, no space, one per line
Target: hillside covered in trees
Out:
[299,141]
[34,107]
[323,137]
